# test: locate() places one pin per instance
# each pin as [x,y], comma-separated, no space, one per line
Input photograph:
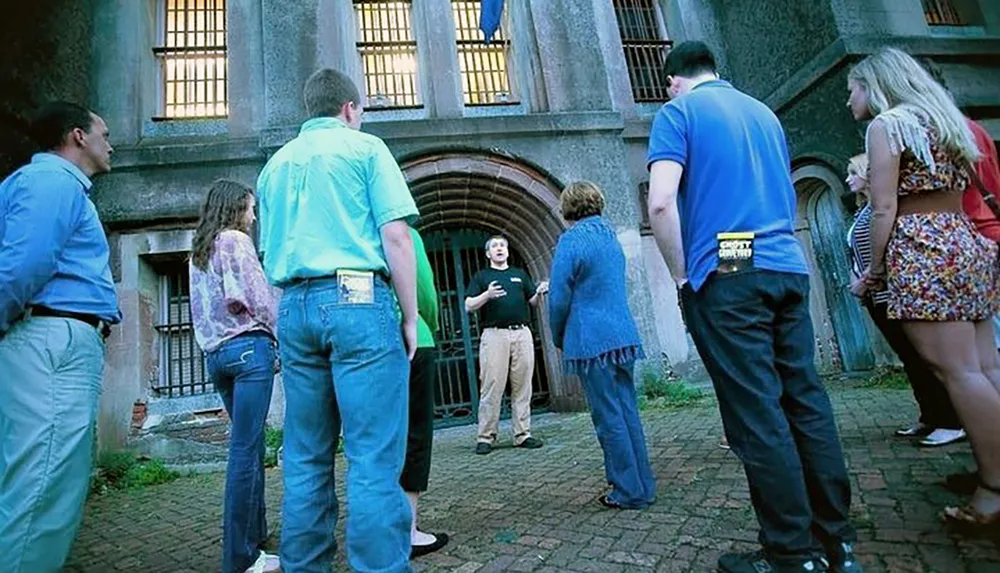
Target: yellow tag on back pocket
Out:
[735,251]
[356,287]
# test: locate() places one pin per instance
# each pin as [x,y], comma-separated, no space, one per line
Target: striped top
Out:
[859,241]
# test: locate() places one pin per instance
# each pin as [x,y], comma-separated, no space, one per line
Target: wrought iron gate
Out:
[455,257]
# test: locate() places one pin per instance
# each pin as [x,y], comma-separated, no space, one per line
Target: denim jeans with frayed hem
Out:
[614,410]
[344,367]
[242,370]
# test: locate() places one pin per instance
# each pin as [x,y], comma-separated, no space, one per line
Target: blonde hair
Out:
[897,84]
[858,165]
[580,200]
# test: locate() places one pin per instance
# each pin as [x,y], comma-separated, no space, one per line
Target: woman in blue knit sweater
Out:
[593,326]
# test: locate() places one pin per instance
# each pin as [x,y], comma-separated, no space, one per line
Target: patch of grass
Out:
[888,377]
[124,470]
[273,438]
[665,391]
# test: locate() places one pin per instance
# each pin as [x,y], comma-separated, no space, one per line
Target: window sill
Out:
[195,127]
[494,109]
[957,31]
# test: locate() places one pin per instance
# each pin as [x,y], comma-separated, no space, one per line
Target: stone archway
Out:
[465,192]
[842,330]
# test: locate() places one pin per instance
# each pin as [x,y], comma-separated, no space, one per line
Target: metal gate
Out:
[455,257]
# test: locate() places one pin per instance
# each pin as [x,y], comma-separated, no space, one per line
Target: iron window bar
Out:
[942,13]
[193,60]
[388,53]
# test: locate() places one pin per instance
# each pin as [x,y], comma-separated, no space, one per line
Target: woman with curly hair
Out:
[234,312]
[593,326]
[941,275]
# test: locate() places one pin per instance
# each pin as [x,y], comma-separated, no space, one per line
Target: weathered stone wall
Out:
[45,55]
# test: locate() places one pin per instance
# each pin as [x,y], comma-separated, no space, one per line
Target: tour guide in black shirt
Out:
[503,293]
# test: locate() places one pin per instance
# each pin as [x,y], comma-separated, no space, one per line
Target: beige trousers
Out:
[505,353]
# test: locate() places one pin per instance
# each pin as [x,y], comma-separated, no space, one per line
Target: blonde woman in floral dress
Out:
[940,273]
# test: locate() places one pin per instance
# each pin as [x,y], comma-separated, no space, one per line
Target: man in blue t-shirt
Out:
[722,207]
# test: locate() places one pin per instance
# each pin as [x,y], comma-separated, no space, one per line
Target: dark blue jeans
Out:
[754,334]
[242,370]
[610,393]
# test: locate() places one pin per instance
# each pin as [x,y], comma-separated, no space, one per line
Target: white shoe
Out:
[942,437]
[265,564]
[917,429]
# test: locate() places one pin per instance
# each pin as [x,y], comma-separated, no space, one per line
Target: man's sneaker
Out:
[942,437]
[914,430]
[842,559]
[265,564]
[483,448]
[530,442]
[757,562]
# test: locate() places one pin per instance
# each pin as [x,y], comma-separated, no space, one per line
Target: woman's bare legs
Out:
[952,350]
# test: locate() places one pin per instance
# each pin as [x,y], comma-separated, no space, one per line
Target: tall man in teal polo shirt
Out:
[334,231]
[722,208]
[57,299]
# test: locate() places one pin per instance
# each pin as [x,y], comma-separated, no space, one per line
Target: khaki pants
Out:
[502,353]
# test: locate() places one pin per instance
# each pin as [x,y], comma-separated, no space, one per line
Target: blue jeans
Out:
[611,395]
[343,363]
[754,334]
[50,385]
[242,370]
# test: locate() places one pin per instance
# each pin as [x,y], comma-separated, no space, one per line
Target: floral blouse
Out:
[231,296]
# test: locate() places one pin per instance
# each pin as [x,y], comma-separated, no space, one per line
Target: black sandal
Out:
[606,501]
[440,540]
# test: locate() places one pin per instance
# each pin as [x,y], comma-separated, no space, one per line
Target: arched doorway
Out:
[841,335]
[464,197]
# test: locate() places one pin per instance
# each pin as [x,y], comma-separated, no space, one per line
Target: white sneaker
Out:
[917,429]
[942,437]
[265,564]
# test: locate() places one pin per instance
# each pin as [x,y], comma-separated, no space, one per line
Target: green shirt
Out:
[427,296]
[323,197]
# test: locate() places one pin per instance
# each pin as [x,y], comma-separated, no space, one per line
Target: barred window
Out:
[484,67]
[388,53]
[182,363]
[644,47]
[192,55]
[942,13]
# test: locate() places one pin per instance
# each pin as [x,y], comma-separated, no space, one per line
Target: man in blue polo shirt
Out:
[722,207]
[57,301]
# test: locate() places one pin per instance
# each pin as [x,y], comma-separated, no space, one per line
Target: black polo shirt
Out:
[510,310]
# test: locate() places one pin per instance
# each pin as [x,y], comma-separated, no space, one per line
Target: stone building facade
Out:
[487,135]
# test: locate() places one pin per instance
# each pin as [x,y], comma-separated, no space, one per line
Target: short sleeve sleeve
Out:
[529,285]
[668,137]
[476,286]
[390,196]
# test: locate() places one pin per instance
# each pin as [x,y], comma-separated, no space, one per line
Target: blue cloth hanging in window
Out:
[490,13]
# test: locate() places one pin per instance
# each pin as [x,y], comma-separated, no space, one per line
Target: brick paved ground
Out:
[519,510]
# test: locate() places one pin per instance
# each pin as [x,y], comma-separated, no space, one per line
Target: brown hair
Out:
[327,91]
[580,200]
[224,207]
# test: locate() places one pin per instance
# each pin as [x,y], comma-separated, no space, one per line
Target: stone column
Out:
[437,58]
[244,38]
[609,41]
[290,51]
[125,72]
[575,73]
